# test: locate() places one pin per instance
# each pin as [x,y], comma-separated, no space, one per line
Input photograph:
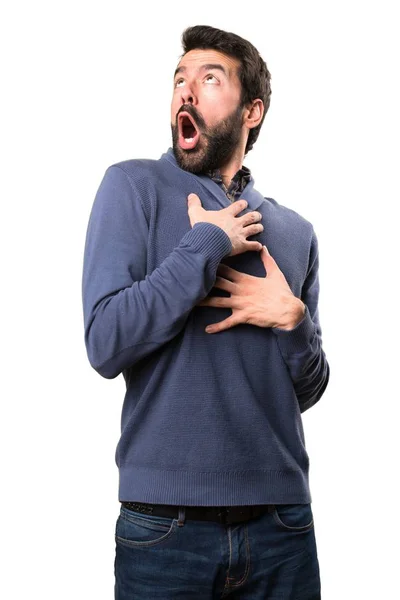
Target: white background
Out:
[87,84]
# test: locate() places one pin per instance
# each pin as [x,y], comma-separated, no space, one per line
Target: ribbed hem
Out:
[234,488]
[209,240]
[298,339]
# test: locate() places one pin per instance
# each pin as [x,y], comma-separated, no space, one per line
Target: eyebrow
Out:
[203,68]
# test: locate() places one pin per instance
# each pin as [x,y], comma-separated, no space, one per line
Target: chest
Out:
[168,222]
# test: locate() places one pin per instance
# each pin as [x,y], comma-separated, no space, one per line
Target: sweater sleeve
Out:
[129,314]
[301,347]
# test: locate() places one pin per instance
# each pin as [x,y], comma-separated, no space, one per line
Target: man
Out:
[204,295]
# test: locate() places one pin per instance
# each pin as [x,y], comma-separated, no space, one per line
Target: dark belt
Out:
[225,515]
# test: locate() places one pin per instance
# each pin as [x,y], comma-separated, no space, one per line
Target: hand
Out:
[237,228]
[262,301]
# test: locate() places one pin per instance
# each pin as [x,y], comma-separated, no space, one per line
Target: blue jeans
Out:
[271,557]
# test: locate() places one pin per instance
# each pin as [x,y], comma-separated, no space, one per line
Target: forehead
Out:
[194,59]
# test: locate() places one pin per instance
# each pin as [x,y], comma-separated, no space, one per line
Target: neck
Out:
[229,169]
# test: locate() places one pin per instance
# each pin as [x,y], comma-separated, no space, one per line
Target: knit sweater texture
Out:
[207,419]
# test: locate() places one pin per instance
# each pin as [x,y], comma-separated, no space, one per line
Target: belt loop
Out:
[181,517]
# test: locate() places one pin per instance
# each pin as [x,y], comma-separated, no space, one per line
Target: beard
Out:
[216,145]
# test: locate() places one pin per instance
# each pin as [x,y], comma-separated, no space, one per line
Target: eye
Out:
[179,81]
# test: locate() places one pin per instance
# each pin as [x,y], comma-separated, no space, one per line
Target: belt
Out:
[225,515]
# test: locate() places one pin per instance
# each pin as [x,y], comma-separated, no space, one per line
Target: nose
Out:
[188,94]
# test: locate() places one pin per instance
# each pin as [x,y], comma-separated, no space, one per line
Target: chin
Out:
[190,160]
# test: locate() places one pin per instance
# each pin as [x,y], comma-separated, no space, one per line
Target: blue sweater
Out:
[207,419]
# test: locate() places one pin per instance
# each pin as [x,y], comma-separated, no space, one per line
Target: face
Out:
[206,116]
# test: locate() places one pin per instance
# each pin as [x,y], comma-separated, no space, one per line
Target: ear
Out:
[254,113]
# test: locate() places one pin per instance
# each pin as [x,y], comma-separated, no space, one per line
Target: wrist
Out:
[297,314]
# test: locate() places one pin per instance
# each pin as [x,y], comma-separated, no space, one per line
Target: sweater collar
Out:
[253,197]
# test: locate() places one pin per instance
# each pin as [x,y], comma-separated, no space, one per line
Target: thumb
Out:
[193,200]
[266,258]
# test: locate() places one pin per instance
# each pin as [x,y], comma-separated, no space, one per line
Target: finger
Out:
[193,200]
[237,206]
[231,321]
[225,284]
[203,302]
[228,273]
[220,302]
[253,229]
[267,259]
[251,217]
[256,246]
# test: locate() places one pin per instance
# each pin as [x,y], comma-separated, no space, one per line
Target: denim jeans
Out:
[271,557]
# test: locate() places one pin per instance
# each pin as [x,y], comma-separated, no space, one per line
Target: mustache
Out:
[198,119]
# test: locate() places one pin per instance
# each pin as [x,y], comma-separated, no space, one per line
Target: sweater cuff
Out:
[298,339]
[209,240]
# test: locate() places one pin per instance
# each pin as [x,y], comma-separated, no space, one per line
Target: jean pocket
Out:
[293,517]
[135,529]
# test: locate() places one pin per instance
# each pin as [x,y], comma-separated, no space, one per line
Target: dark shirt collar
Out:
[239,181]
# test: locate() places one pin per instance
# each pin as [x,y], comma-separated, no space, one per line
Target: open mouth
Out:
[188,132]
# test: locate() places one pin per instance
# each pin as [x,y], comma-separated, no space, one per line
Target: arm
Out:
[127,313]
[301,347]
